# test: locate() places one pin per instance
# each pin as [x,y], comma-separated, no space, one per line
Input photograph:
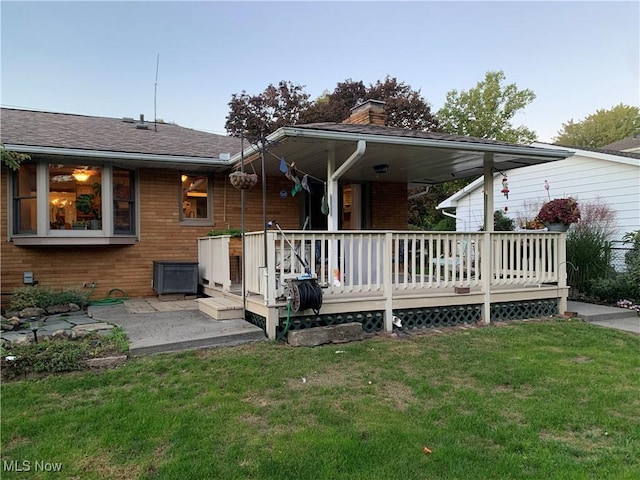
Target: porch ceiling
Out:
[433,158]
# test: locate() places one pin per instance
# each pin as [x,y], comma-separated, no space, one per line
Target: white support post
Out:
[388,285]
[332,219]
[272,323]
[487,247]
[561,269]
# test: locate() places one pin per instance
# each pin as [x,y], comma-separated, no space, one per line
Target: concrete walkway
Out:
[611,317]
[156,326]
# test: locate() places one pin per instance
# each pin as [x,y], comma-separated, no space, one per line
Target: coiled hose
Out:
[109,299]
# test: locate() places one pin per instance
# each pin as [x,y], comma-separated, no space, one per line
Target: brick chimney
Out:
[371,112]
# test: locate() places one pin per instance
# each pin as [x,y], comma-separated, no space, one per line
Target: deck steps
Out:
[221,307]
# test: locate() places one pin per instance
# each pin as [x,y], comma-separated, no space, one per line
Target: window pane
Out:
[75,194]
[24,200]
[123,201]
[195,201]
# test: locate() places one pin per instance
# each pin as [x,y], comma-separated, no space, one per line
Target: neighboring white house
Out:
[612,177]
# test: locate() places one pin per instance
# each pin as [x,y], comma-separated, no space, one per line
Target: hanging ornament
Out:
[505,186]
[284,168]
[546,187]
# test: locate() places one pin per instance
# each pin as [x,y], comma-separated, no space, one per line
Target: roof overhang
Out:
[411,159]
[125,158]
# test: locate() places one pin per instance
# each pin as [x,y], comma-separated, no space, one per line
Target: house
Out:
[629,144]
[156,190]
[611,177]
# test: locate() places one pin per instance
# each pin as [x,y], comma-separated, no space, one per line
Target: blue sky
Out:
[99,58]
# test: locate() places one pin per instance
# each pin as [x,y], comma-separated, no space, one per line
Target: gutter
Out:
[353,158]
[72,152]
[424,142]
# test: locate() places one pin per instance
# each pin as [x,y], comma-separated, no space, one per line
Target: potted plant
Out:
[243,180]
[88,204]
[559,213]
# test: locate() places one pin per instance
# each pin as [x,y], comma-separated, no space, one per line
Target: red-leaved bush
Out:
[560,210]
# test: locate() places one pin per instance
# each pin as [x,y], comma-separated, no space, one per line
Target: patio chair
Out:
[456,261]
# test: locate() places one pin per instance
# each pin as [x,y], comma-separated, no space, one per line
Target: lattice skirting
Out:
[525,309]
[412,318]
[438,316]
[257,320]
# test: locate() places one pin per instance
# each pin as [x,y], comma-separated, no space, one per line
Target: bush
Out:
[25,297]
[447,224]
[589,249]
[234,232]
[61,355]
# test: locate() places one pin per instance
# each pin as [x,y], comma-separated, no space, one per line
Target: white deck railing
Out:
[370,261]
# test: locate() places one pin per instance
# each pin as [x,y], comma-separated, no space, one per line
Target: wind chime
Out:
[505,189]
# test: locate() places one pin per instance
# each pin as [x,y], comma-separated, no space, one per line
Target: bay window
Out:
[57,201]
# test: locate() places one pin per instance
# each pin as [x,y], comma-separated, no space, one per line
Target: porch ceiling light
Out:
[382,168]
[81,175]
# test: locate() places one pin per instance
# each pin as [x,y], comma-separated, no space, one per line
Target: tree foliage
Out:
[487,110]
[600,128]
[404,106]
[261,114]
[12,160]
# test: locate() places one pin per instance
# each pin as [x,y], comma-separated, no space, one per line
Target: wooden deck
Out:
[393,271]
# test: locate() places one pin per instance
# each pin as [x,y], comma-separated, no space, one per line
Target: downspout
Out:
[332,181]
[332,185]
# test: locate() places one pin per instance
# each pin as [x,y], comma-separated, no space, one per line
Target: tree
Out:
[486,111]
[12,160]
[600,128]
[262,114]
[404,107]
[335,106]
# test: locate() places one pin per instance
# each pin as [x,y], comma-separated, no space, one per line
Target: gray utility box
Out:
[175,277]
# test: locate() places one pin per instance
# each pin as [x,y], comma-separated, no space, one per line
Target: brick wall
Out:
[130,267]
[389,206]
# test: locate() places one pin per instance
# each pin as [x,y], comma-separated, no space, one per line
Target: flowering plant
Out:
[560,210]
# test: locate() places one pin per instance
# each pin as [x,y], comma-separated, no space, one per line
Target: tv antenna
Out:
[155,94]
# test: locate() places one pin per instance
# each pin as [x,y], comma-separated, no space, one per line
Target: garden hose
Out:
[109,299]
[286,327]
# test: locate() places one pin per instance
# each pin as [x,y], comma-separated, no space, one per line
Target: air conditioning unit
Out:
[175,277]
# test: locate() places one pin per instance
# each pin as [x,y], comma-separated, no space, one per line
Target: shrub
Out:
[234,232]
[24,297]
[589,249]
[447,224]
[61,355]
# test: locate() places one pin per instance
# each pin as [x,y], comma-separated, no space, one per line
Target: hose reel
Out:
[305,293]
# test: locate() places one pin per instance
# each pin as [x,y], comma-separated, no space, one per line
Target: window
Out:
[59,204]
[123,201]
[196,199]
[75,197]
[25,199]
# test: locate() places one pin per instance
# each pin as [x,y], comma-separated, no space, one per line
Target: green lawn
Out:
[556,399]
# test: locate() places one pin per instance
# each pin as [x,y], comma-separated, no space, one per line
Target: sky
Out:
[101,58]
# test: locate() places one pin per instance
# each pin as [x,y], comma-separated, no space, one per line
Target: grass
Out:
[556,399]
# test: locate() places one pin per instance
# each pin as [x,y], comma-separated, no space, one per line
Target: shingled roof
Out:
[626,144]
[370,129]
[69,131]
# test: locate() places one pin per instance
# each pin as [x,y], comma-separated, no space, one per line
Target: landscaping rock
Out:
[15,321]
[106,362]
[311,337]
[7,327]
[54,309]
[74,307]
[23,339]
[32,312]
[60,334]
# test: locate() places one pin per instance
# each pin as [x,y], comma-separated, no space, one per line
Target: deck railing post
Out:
[270,293]
[561,271]
[388,284]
